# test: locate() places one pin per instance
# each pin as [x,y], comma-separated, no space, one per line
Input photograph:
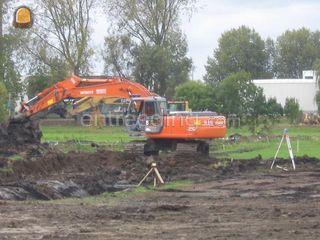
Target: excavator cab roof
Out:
[151,98]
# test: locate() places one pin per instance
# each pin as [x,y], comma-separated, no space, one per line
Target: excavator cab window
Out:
[134,117]
[135,107]
[163,108]
[150,109]
[145,115]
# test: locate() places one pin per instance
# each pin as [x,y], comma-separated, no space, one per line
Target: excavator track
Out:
[192,149]
[150,147]
[186,148]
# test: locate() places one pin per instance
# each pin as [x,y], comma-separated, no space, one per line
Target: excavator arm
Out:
[87,103]
[75,87]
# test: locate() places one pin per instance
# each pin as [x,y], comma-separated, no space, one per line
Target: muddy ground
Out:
[245,206]
[228,199]
[47,174]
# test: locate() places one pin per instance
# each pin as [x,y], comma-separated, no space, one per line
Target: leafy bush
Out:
[199,95]
[318,100]
[292,110]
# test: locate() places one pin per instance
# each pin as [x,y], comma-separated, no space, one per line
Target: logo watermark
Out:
[191,121]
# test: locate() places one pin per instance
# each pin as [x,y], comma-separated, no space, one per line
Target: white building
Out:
[304,90]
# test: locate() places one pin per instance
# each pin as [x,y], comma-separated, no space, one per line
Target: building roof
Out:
[284,81]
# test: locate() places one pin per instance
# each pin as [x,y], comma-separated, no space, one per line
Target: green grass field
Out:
[99,135]
[267,149]
[305,140]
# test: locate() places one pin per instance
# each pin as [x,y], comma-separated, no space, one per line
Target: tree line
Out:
[243,49]
[145,44]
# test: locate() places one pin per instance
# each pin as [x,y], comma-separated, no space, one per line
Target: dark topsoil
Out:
[236,200]
[47,174]
[17,133]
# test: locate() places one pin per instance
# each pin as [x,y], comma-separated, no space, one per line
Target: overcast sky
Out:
[270,18]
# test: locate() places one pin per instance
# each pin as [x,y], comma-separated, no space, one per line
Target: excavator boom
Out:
[75,87]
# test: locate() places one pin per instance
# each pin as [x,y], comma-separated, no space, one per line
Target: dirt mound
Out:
[57,175]
[20,132]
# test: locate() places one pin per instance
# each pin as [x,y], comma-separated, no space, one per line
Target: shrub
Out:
[292,110]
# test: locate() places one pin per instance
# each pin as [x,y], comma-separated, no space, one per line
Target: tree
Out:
[274,109]
[199,95]
[157,46]
[118,55]
[256,109]
[317,70]
[292,110]
[3,90]
[296,50]
[147,20]
[235,93]
[11,74]
[63,33]
[238,95]
[36,83]
[162,68]
[271,53]
[3,103]
[43,76]
[269,114]
[318,100]
[240,49]
[1,40]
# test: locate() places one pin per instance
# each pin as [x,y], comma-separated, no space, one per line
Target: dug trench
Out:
[45,174]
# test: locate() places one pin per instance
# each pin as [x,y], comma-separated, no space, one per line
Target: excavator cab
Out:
[146,114]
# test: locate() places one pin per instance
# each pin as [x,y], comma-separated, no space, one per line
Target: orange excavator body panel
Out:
[191,127]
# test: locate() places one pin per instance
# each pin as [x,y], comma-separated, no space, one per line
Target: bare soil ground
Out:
[229,200]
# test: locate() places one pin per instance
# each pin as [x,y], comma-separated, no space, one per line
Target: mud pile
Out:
[58,175]
[55,175]
[20,132]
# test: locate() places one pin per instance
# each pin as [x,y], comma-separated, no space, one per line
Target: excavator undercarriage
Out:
[180,148]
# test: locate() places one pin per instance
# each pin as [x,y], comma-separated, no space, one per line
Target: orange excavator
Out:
[146,112]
